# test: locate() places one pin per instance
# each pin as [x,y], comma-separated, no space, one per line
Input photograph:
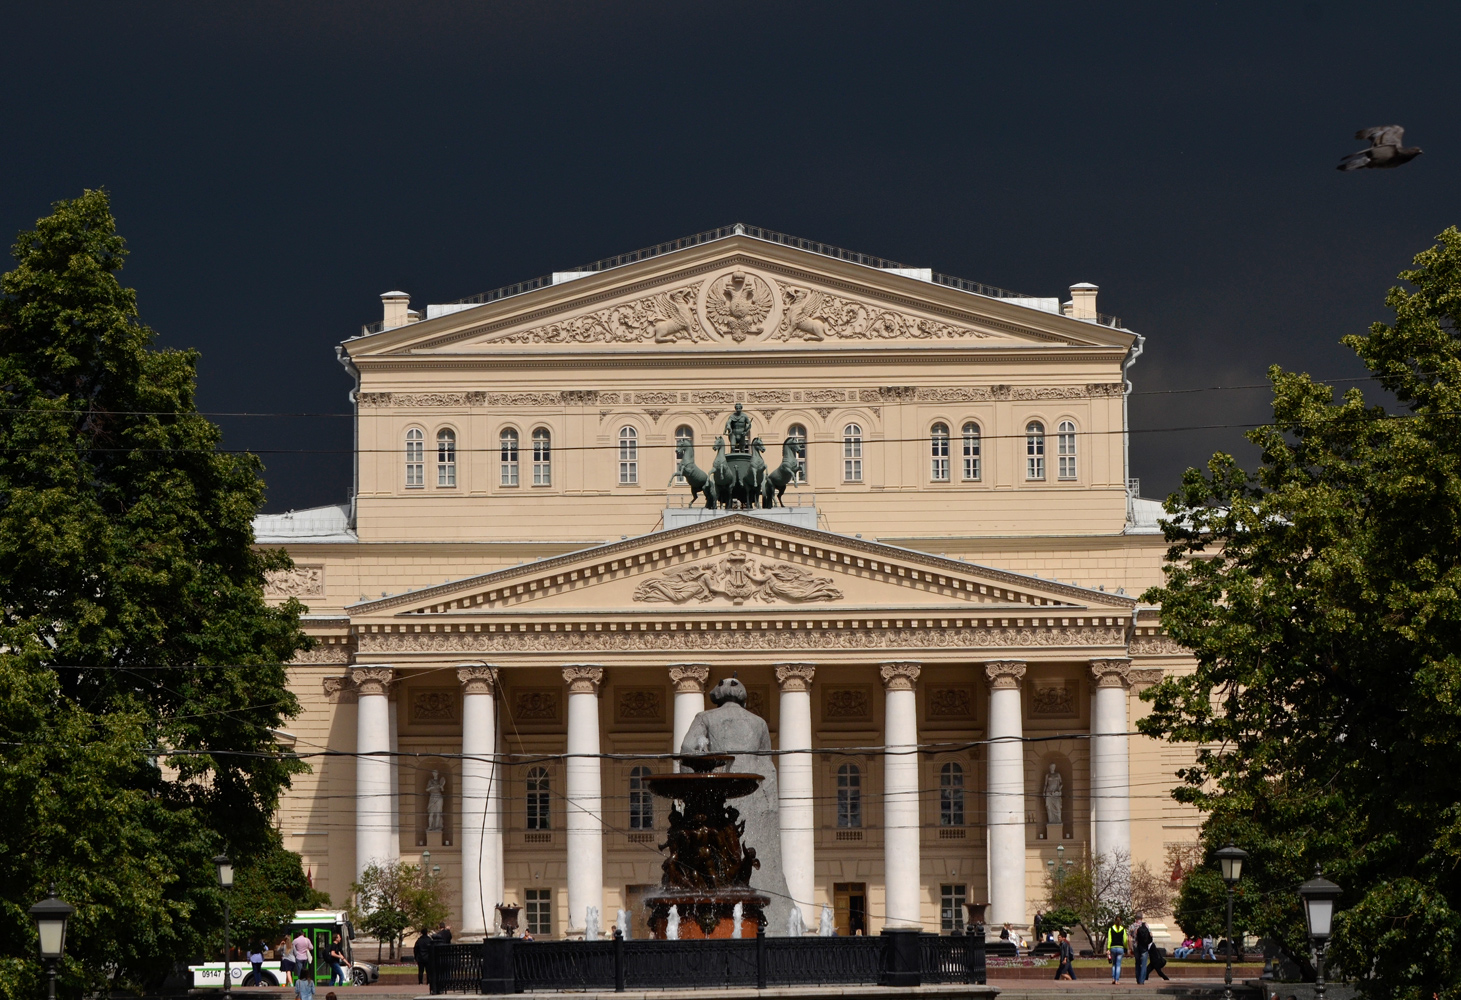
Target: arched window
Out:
[542,457]
[628,456]
[972,470]
[1034,450]
[684,435]
[508,441]
[641,802]
[951,795]
[1065,447]
[849,797]
[938,443]
[797,434]
[415,457]
[538,799]
[446,457]
[852,454]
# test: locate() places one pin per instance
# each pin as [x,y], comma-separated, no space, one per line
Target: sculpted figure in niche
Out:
[730,728]
[1054,801]
[435,801]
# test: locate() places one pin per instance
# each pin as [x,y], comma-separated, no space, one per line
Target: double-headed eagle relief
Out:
[740,306]
[739,577]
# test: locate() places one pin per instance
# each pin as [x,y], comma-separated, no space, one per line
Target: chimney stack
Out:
[397,309]
[1083,300]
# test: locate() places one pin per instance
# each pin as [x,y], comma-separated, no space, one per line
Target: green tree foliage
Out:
[267,891]
[396,897]
[126,551]
[1322,598]
[1096,892]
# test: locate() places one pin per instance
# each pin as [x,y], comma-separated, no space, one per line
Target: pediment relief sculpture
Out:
[738,577]
[738,305]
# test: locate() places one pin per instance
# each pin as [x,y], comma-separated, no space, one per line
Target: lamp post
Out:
[225,882]
[1230,859]
[1319,896]
[51,915]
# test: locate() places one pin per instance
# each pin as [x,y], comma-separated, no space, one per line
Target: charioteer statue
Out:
[738,432]
[739,477]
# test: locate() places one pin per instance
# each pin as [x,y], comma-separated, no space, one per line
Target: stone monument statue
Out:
[1054,801]
[435,801]
[730,729]
[738,431]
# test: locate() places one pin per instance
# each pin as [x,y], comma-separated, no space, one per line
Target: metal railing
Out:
[504,965]
[756,232]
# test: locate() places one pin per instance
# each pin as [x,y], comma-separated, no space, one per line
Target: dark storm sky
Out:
[275,167]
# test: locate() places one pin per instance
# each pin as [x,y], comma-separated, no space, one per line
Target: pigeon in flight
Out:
[1385,149]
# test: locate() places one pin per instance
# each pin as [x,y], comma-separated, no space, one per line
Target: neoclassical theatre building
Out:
[518,612]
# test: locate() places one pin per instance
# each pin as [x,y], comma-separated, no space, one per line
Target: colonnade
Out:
[481,805]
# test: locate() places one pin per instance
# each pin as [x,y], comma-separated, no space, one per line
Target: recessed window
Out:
[641,802]
[538,911]
[797,434]
[542,457]
[1034,450]
[849,797]
[684,442]
[951,795]
[446,457]
[1065,447]
[628,456]
[972,470]
[538,799]
[415,457]
[852,454]
[938,443]
[507,441]
[951,899]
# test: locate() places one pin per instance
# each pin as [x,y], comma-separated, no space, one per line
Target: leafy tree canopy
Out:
[1321,596]
[395,897]
[140,670]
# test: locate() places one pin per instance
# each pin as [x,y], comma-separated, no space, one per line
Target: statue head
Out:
[738,407]
[729,689]
[1052,768]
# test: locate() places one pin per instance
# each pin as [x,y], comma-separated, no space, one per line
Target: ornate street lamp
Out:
[1230,859]
[1319,896]
[225,882]
[51,915]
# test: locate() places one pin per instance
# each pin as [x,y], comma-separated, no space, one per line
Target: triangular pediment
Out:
[742,562]
[740,294]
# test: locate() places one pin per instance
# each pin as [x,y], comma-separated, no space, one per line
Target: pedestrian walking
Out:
[1116,948]
[337,961]
[1066,969]
[1143,944]
[256,959]
[1158,961]
[421,951]
[304,980]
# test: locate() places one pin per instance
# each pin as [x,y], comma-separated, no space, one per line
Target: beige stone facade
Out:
[518,578]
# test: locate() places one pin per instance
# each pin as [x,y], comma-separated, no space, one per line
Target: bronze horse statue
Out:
[779,478]
[736,477]
[700,481]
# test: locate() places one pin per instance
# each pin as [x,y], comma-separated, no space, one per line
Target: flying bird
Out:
[1385,149]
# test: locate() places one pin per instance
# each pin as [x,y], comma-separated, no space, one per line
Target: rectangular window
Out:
[852,459]
[538,912]
[509,460]
[971,454]
[1066,449]
[628,460]
[951,908]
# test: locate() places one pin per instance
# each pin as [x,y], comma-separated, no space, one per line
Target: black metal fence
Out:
[895,958]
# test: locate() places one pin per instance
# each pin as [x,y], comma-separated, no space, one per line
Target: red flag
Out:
[309,876]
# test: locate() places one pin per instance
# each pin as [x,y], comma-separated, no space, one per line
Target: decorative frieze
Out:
[297,581]
[662,318]
[739,577]
[632,705]
[338,690]
[847,704]
[815,315]
[1053,700]
[1156,645]
[433,707]
[327,651]
[949,704]
[536,705]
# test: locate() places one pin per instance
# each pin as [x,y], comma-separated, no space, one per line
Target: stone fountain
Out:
[707,869]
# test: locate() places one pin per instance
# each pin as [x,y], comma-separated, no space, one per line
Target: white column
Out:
[689,680]
[481,837]
[395,762]
[372,767]
[1110,766]
[794,778]
[583,804]
[902,869]
[1005,832]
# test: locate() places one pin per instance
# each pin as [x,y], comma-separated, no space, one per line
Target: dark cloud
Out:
[277,166]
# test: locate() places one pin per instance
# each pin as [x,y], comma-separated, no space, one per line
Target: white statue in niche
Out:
[435,801]
[1054,789]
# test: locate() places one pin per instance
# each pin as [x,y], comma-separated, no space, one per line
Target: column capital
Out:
[1111,672]
[1004,675]
[372,680]
[477,678]
[583,678]
[900,675]
[795,676]
[689,678]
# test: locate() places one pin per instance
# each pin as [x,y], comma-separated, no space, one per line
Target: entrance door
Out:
[849,899]
[638,912]
[321,937]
